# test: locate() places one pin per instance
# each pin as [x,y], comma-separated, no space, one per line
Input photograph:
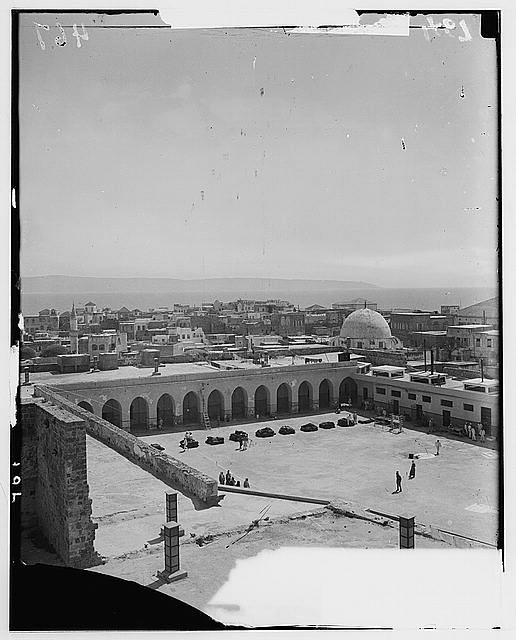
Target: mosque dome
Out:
[365,324]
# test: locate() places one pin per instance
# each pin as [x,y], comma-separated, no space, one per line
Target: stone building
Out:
[486,312]
[366,329]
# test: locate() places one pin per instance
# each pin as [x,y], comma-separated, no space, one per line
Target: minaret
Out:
[74,333]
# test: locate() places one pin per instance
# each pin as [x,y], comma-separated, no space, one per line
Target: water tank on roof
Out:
[108,361]
[148,356]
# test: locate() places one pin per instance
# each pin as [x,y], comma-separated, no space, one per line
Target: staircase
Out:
[206,421]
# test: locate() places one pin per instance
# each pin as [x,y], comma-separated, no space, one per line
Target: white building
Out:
[366,329]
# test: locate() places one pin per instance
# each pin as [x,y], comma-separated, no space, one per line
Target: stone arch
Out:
[216,405]
[139,414]
[262,404]
[304,397]
[112,412]
[191,413]
[165,411]
[283,399]
[86,405]
[239,403]
[325,394]
[348,389]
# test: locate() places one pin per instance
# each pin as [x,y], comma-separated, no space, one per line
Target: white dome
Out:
[365,324]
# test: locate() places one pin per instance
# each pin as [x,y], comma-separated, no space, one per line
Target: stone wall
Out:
[378,357]
[55,494]
[171,471]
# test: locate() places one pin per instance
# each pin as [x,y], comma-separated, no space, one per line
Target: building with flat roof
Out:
[485,312]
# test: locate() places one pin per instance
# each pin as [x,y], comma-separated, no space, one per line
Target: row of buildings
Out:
[249,328]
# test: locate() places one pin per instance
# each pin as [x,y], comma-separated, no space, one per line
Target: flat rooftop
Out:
[431,333]
[478,327]
[132,372]
[448,384]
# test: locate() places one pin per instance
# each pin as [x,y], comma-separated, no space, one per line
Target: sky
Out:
[219,153]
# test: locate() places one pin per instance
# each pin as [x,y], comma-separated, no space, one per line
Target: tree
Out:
[53,351]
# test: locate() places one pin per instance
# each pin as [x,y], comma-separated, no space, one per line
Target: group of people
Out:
[412,470]
[243,443]
[188,438]
[230,481]
[473,432]
[411,476]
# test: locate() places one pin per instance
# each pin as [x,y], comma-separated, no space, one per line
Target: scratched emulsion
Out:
[361,157]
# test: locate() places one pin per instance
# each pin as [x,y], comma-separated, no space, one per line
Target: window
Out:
[427,399]
[468,407]
[489,342]
[102,347]
[112,346]
[396,394]
[477,342]
[380,391]
[412,396]
[446,403]
[93,347]
[381,345]
[359,345]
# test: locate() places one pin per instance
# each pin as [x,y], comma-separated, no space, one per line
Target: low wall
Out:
[171,471]
[378,357]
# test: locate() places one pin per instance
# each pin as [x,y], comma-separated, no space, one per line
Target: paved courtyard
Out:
[456,491]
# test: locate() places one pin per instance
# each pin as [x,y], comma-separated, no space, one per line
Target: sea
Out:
[426,299]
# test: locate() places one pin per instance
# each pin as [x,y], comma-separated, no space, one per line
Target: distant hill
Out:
[78,285]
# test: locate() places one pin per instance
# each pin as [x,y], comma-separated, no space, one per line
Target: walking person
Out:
[437,447]
[467,428]
[473,433]
[398,483]
[482,434]
[430,426]
[355,420]
[412,472]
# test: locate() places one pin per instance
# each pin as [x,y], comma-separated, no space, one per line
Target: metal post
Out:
[424,351]
[406,532]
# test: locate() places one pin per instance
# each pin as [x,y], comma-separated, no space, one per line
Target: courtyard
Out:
[455,491]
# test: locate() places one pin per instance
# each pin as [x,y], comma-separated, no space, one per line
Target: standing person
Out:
[482,434]
[355,420]
[412,472]
[240,443]
[246,442]
[437,447]
[246,483]
[466,429]
[228,477]
[430,426]
[473,433]
[398,482]
[221,477]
